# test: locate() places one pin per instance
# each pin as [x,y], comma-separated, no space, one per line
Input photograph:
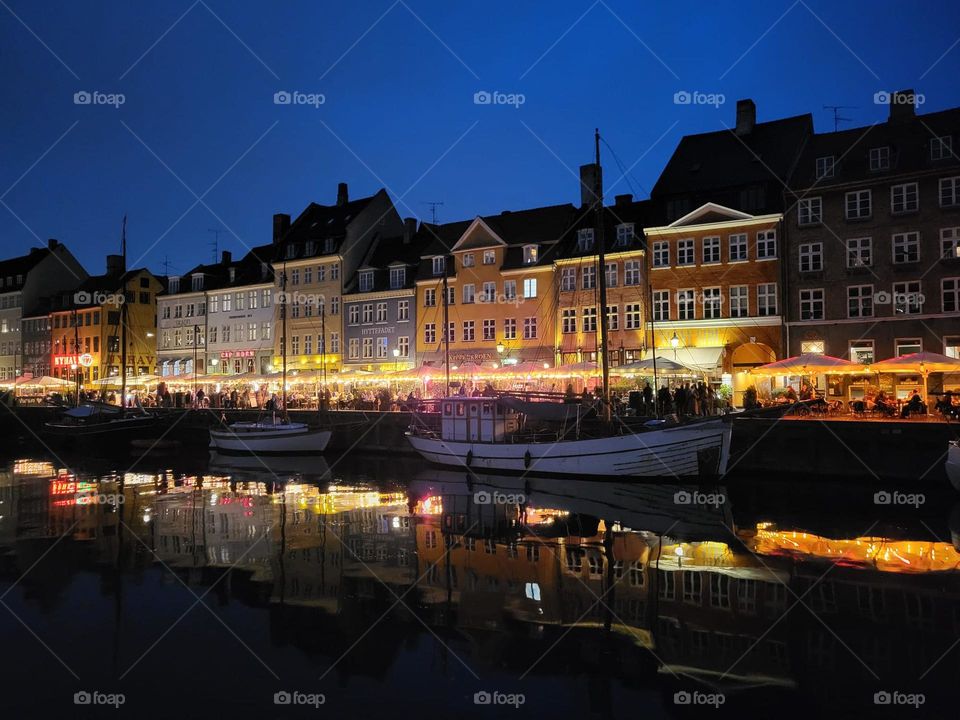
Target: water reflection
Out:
[531,577]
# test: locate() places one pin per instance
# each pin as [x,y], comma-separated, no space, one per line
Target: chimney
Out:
[342,194]
[622,200]
[746,116]
[589,175]
[115,265]
[226,257]
[281,223]
[902,105]
[409,229]
[53,244]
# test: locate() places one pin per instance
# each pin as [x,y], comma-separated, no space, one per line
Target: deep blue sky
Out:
[400,99]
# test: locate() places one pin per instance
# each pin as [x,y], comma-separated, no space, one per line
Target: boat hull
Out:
[695,450]
[119,429]
[953,465]
[251,440]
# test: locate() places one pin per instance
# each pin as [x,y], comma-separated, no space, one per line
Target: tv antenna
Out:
[433,209]
[837,118]
[166,265]
[216,243]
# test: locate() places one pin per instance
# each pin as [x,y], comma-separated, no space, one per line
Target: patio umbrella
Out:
[467,368]
[578,368]
[810,364]
[524,368]
[664,367]
[46,382]
[923,363]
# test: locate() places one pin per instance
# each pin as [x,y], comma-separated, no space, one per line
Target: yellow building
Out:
[501,293]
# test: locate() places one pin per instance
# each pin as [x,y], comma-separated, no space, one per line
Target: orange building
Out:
[715,276]
[499,278]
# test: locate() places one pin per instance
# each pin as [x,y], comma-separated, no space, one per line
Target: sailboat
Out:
[274,435]
[508,435]
[95,420]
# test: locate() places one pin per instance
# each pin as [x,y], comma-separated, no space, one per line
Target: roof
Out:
[106,284]
[642,213]
[722,159]
[20,267]
[908,140]
[389,252]
[253,268]
[316,225]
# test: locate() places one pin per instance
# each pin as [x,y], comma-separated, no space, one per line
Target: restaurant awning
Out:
[698,359]
[810,364]
[664,366]
[920,362]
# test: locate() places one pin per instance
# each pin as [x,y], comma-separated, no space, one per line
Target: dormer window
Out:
[624,234]
[530,254]
[366,280]
[880,158]
[584,239]
[174,285]
[439,264]
[941,147]
[328,245]
[233,274]
[825,167]
[310,248]
[398,277]
[291,251]
[196,282]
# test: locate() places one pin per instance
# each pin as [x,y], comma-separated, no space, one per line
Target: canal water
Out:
[194,586]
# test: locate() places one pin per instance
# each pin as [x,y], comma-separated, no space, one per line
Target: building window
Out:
[712,303]
[468,293]
[941,147]
[307,275]
[685,252]
[439,263]
[661,253]
[429,297]
[811,304]
[530,328]
[489,329]
[510,329]
[403,310]
[858,204]
[810,211]
[859,252]
[738,247]
[588,276]
[739,301]
[631,272]
[335,271]
[767,299]
[469,331]
[381,312]
[825,167]
[353,315]
[429,333]
[568,279]
[711,250]
[294,345]
[214,306]
[950,191]
[862,351]
[489,257]
[661,306]
[951,346]
[613,318]
[880,158]
[510,290]
[612,272]
[766,244]
[294,277]
[950,242]
[196,283]
[468,260]
[590,320]
[859,301]
[907,346]
[624,234]
[366,280]
[904,198]
[631,313]
[353,349]
[530,254]
[367,344]
[228,303]
[686,302]
[321,273]
[568,320]
[367,313]
[811,257]
[398,277]
[584,239]
[489,292]
[529,288]
[906,247]
[950,294]
[308,344]
[383,346]
[907,297]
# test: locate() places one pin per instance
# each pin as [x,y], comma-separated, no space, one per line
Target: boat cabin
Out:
[477,419]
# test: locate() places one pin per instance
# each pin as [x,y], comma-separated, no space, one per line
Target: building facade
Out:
[874,239]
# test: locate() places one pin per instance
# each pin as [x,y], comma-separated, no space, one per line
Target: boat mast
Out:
[446,327]
[653,345]
[602,272]
[123,319]
[283,336]
[323,345]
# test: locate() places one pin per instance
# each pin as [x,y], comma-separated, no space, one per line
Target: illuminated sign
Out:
[86,360]
[227,354]
[64,360]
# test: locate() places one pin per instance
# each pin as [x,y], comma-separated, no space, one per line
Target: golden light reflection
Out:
[432,505]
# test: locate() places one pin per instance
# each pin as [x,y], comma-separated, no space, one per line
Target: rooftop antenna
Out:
[166,265]
[216,243]
[433,210]
[837,118]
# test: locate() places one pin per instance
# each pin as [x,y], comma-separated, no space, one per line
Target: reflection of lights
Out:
[432,505]
[146,516]
[678,551]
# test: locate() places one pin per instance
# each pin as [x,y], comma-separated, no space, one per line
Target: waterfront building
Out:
[502,299]
[25,283]
[379,306]
[874,240]
[86,332]
[319,252]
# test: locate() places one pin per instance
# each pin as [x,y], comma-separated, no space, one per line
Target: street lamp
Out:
[674,342]
[396,358]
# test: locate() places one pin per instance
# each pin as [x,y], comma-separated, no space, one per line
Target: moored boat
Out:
[953,463]
[269,436]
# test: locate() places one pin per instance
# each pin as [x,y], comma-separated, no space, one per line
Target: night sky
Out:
[198,118]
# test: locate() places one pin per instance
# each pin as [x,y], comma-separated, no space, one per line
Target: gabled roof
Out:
[392,252]
[710,212]
[641,213]
[19,267]
[488,236]
[318,223]
[253,268]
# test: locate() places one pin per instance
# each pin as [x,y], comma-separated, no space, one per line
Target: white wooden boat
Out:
[484,434]
[267,437]
[953,464]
